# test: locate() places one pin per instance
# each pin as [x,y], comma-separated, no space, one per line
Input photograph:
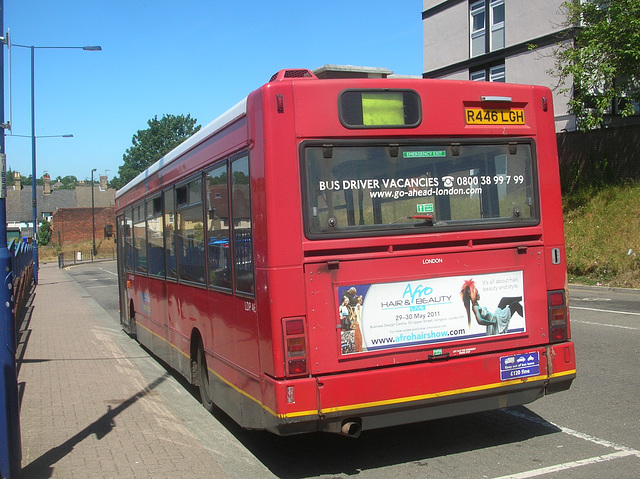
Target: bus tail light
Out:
[295,344]
[295,347]
[296,367]
[558,324]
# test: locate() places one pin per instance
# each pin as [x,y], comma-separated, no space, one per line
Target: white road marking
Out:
[604,324]
[605,310]
[622,451]
[567,465]
[595,300]
[110,272]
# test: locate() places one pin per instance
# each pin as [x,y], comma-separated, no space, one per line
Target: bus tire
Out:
[203,380]
[131,322]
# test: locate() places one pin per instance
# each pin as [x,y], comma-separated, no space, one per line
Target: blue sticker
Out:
[519,366]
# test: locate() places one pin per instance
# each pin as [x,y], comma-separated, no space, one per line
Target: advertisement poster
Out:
[391,315]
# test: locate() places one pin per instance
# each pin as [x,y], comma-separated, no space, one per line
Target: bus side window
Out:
[139,238]
[190,232]
[127,238]
[217,197]
[242,234]
[169,234]
[155,243]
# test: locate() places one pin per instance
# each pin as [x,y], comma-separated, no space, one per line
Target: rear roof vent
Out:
[289,74]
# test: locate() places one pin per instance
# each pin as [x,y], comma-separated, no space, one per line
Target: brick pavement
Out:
[87,411]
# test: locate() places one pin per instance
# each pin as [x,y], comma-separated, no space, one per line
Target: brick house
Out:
[73,225]
[69,211]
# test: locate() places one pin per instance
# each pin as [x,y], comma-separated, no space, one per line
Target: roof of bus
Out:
[227,117]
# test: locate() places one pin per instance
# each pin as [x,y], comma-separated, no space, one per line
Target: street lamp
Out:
[34,200]
[93,218]
[70,135]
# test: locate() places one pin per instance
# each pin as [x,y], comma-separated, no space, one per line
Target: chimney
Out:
[103,182]
[46,181]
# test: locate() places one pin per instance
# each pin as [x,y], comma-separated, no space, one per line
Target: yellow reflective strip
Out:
[385,402]
[249,396]
[563,373]
[164,339]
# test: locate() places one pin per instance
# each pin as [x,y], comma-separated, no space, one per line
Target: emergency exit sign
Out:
[425,208]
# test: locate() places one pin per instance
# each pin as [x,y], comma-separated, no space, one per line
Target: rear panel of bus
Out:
[413,249]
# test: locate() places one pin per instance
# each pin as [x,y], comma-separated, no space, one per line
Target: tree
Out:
[44,233]
[69,182]
[10,177]
[603,61]
[26,181]
[150,145]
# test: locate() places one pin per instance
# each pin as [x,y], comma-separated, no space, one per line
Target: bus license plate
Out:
[481,116]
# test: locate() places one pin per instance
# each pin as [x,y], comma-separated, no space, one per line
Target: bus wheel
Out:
[203,380]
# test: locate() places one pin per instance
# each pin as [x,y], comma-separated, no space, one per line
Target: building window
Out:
[625,101]
[480,75]
[496,14]
[481,14]
[495,73]
[478,30]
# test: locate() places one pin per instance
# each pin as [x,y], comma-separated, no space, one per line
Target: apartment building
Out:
[490,40]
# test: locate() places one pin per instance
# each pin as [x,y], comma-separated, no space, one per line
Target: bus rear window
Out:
[401,188]
[379,108]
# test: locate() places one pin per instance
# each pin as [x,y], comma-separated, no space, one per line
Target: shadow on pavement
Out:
[42,467]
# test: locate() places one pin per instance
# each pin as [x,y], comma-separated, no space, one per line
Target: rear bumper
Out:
[419,392]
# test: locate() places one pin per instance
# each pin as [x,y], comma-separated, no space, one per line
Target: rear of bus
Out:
[431,248]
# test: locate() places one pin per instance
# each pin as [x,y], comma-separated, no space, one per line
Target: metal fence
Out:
[599,157]
[22,266]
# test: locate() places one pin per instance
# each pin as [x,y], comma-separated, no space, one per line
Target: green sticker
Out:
[424,154]
[425,208]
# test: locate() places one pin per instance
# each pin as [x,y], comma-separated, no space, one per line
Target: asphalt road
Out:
[590,431]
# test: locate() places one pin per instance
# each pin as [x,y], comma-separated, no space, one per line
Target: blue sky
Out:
[197,57]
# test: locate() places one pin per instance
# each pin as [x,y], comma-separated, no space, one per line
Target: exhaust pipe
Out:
[352,428]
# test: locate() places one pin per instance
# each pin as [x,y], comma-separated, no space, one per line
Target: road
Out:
[590,431]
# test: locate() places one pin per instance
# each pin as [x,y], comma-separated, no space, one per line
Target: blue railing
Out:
[22,265]
[22,256]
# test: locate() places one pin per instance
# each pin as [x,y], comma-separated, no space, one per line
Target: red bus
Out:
[347,254]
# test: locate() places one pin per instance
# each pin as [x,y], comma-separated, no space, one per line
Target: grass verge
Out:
[602,235]
[105,249]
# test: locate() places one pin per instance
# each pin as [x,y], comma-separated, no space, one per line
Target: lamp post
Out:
[34,197]
[93,219]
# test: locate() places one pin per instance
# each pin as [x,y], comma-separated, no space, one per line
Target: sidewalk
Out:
[87,411]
